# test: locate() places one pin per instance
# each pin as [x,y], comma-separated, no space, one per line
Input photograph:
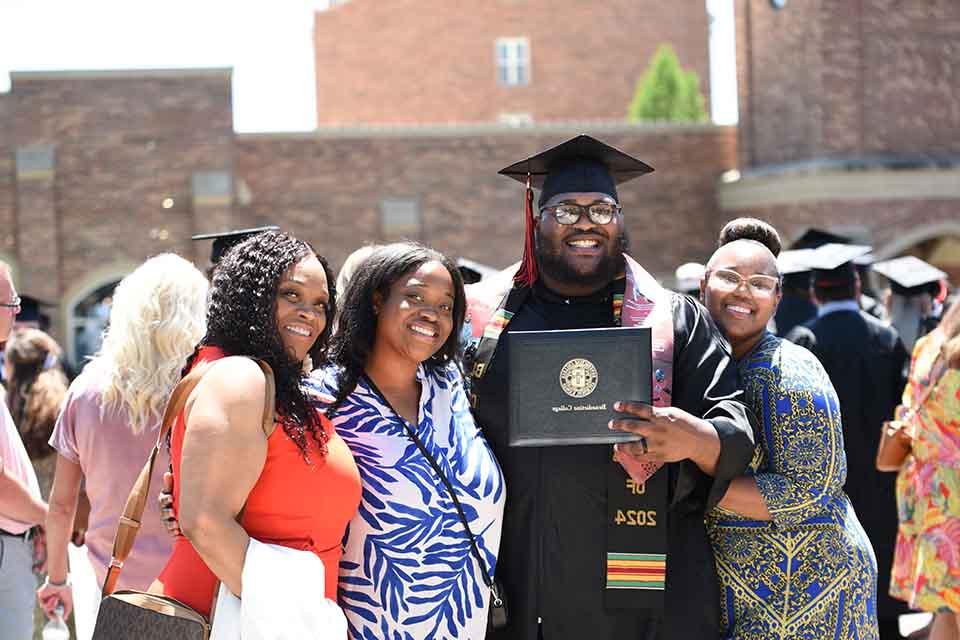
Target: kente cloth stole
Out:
[636,547]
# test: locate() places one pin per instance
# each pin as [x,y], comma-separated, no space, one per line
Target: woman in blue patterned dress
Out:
[408,569]
[793,560]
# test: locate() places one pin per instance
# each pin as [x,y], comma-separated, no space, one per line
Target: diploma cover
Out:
[563,384]
[635,565]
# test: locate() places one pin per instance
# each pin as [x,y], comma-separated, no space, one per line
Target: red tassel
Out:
[527,273]
[942,294]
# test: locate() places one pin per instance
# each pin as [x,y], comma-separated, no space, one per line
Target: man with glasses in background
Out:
[573,562]
[21,507]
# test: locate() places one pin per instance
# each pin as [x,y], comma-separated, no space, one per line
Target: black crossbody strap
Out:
[446,483]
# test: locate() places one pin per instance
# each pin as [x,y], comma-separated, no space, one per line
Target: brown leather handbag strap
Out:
[129,525]
[937,369]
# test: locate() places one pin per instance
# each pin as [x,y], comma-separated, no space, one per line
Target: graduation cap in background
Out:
[226,240]
[813,238]
[794,261]
[31,313]
[833,263]
[580,165]
[794,268]
[910,276]
[473,271]
[688,277]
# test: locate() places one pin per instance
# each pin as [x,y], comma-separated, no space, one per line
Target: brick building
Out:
[99,170]
[435,61]
[850,120]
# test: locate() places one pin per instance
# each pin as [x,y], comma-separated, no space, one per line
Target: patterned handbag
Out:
[896,439]
[137,615]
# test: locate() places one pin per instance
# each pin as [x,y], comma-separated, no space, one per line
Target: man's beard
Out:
[553,264]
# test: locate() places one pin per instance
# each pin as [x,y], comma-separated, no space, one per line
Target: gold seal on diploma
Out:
[578,378]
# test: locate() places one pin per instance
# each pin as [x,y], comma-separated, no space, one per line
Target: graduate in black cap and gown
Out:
[866,361]
[573,561]
[917,290]
[796,306]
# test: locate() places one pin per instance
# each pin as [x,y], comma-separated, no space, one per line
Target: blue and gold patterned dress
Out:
[810,572]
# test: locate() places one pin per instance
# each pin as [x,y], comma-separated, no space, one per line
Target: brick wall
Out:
[430,61]
[327,189]
[884,223]
[7,170]
[87,159]
[830,77]
[123,144]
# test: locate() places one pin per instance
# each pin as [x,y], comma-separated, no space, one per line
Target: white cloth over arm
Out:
[282,599]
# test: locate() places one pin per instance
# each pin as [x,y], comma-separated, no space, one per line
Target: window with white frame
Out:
[513,61]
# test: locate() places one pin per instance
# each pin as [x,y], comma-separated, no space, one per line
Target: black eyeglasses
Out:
[14,304]
[570,213]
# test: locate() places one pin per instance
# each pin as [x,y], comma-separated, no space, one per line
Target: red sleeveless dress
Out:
[293,504]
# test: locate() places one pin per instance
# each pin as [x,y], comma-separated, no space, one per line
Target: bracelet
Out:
[57,585]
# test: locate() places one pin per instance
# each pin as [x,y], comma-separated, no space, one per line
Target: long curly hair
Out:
[357,323]
[36,387]
[156,319]
[242,321]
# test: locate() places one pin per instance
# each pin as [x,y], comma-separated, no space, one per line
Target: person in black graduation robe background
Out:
[553,547]
[915,298]
[865,360]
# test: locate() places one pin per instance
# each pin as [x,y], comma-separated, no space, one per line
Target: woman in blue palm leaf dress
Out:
[793,561]
[408,569]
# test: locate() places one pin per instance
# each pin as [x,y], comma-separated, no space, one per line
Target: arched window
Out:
[937,243]
[85,310]
[88,318]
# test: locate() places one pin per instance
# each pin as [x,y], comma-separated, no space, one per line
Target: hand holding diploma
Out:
[666,434]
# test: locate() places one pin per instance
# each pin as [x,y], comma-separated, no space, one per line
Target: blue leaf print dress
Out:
[407,571]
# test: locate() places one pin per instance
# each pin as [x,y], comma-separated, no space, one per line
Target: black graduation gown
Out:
[865,360]
[553,546]
[792,311]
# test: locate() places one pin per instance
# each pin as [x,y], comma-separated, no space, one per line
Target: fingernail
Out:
[610,425]
[617,406]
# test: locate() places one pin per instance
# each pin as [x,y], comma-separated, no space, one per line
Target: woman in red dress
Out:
[295,484]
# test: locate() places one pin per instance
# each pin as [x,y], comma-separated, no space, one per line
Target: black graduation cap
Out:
[473,271]
[794,261]
[833,263]
[226,240]
[910,276]
[813,238]
[579,165]
[30,311]
[794,268]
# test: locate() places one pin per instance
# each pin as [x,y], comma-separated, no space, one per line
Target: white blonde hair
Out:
[157,318]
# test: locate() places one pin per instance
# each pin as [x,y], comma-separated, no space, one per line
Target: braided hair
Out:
[242,321]
[357,323]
